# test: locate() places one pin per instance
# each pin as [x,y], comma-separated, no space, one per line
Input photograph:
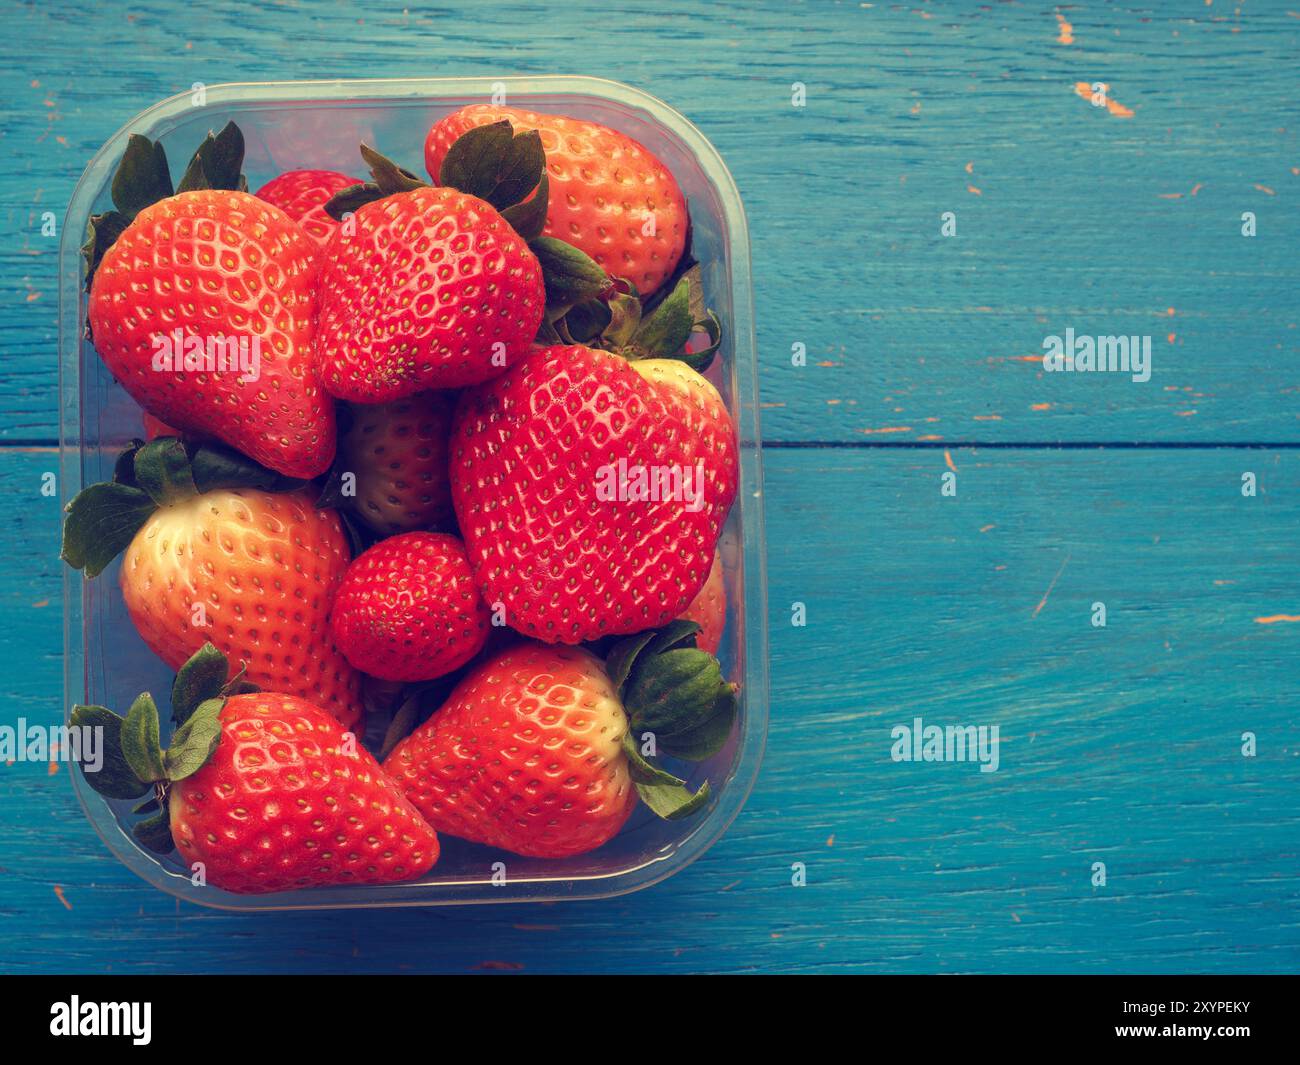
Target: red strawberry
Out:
[201,306]
[539,749]
[254,572]
[398,453]
[259,792]
[610,197]
[709,609]
[302,195]
[434,289]
[408,610]
[547,462]
[526,756]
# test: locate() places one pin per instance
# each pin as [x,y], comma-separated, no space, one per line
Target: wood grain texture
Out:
[1067,215]
[1120,745]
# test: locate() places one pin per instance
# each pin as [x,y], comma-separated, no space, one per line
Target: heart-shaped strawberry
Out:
[591,490]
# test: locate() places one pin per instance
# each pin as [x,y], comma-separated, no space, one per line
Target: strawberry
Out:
[258,792]
[398,454]
[591,490]
[610,196]
[201,306]
[209,558]
[408,610]
[434,289]
[302,195]
[541,750]
[709,609]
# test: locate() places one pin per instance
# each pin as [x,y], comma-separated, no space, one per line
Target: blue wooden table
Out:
[1114,214]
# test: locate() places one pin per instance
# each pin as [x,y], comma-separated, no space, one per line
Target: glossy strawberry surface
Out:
[220,271]
[408,609]
[525,755]
[532,452]
[290,800]
[302,195]
[398,454]
[255,573]
[609,195]
[434,289]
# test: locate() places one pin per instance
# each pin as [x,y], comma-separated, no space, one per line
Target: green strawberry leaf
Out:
[351,199]
[529,216]
[142,176]
[101,522]
[548,334]
[218,162]
[495,164]
[571,276]
[102,232]
[701,360]
[216,466]
[114,779]
[673,692]
[155,833]
[193,743]
[707,738]
[140,744]
[162,468]
[471,164]
[624,317]
[665,794]
[124,466]
[202,678]
[665,332]
[388,176]
[586,321]
[625,654]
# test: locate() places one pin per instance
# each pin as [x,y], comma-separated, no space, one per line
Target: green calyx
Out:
[132,761]
[620,322]
[103,519]
[143,178]
[677,703]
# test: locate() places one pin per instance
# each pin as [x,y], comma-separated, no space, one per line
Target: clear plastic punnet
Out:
[319,124]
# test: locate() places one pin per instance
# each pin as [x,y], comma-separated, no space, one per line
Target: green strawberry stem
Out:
[134,762]
[677,703]
[103,519]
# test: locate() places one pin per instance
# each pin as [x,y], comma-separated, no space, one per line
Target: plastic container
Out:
[319,124]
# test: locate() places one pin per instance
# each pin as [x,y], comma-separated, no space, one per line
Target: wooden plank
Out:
[1067,215]
[1119,744]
